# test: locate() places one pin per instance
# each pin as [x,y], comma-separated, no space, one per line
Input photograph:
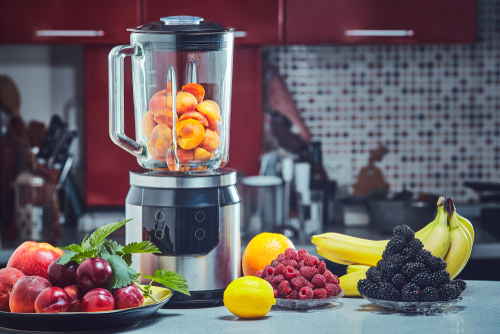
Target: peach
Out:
[160,141]
[8,277]
[159,100]
[25,291]
[196,89]
[211,141]
[33,258]
[201,154]
[211,112]
[148,124]
[184,102]
[190,133]
[195,115]
[164,116]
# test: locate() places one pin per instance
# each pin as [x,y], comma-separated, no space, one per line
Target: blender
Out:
[182,199]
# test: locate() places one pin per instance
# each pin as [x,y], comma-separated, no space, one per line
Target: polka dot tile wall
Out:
[435,107]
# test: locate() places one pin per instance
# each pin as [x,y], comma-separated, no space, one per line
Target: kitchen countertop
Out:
[476,313]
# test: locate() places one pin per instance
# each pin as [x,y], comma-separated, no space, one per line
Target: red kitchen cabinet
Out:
[63,21]
[364,21]
[260,21]
[107,165]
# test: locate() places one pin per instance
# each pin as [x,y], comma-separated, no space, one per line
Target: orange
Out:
[262,249]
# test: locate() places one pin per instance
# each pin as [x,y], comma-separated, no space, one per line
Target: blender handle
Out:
[116,118]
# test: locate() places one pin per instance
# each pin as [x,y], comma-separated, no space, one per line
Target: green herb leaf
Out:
[65,258]
[85,243]
[104,231]
[73,248]
[110,247]
[123,275]
[171,280]
[78,257]
[128,259]
[140,247]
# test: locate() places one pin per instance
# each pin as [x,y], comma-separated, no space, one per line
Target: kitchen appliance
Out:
[182,199]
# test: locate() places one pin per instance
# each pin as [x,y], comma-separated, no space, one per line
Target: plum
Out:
[75,294]
[62,275]
[93,273]
[98,300]
[52,300]
[127,297]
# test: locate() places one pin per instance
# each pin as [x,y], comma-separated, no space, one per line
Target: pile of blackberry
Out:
[407,272]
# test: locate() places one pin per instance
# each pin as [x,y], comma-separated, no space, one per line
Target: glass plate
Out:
[306,303]
[413,306]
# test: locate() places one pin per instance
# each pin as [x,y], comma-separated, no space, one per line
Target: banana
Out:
[353,268]
[458,254]
[349,282]
[438,240]
[465,222]
[327,255]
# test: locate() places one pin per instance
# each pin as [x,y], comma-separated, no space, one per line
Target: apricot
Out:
[184,102]
[190,133]
[148,124]
[159,100]
[196,89]
[211,141]
[201,154]
[213,103]
[8,277]
[211,112]
[160,141]
[184,156]
[164,116]
[195,115]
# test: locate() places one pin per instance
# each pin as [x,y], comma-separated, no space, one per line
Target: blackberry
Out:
[372,274]
[413,268]
[439,278]
[404,231]
[423,256]
[391,266]
[459,284]
[395,245]
[409,254]
[362,285]
[398,281]
[388,292]
[421,279]
[380,264]
[429,294]
[436,264]
[410,292]
[372,290]
[416,245]
[447,292]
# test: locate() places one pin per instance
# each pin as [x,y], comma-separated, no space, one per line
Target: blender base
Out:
[197,299]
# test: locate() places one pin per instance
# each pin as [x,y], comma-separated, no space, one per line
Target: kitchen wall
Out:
[435,107]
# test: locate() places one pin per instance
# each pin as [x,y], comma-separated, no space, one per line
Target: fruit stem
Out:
[146,292]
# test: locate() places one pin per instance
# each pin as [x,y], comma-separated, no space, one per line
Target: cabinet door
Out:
[106,165]
[256,22]
[63,21]
[380,21]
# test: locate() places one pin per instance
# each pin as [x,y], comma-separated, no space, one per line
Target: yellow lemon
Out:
[249,297]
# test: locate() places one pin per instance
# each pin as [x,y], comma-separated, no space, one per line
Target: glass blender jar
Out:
[182,72]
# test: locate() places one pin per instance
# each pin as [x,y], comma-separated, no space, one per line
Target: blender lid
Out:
[181,25]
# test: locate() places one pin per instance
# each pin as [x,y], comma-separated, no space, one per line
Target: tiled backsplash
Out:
[435,107]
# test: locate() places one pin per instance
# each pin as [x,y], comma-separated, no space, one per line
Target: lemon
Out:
[249,297]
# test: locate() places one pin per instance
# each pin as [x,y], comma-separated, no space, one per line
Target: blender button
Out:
[199,234]
[159,216]
[199,216]
[159,234]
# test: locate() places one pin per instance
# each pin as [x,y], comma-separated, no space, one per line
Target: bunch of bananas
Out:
[452,242]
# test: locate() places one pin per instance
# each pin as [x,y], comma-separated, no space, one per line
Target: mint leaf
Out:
[103,232]
[123,275]
[171,280]
[140,247]
[65,258]
[128,259]
[85,244]
[110,247]
[78,257]
[73,248]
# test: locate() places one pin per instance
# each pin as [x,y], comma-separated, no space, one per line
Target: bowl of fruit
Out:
[91,286]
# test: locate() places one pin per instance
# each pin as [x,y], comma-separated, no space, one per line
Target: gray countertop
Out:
[478,312]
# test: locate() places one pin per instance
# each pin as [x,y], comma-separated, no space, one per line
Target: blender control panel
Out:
[182,231]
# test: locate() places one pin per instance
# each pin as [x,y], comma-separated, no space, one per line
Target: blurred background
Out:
[350,117]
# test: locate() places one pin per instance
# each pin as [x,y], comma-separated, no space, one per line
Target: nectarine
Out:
[75,294]
[211,111]
[8,277]
[33,258]
[128,297]
[25,291]
[190,133]
[98,300]
[52,300]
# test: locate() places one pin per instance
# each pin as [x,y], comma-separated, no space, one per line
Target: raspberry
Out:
[293,295]
[274,263]
[306,293]
[269,279]
[311,261]
[318,281]
[331,278]
[310,285]
[319,293]
[291,254]
[284,288]
[308,272]
[280,258]
[277,280]
[302,254]
[290,263]
[259,274]
[331,289]
[298,282]
[300,264]
[268,271]
[279,269]
[275,293]
[321,267]
[290,273]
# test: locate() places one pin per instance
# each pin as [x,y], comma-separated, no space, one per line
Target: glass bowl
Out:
[306,303]
[413,306]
